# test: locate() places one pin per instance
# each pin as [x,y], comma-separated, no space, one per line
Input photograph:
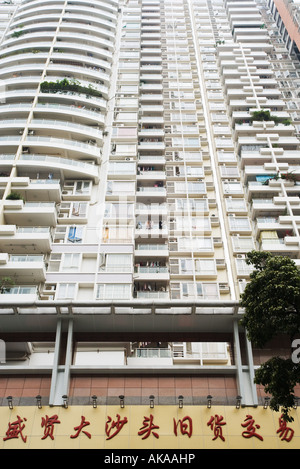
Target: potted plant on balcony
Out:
[14,196]
[289,177]
[264,115]
[73,86]
[5,284]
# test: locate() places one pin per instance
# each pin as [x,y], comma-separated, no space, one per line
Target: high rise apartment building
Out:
[137,171]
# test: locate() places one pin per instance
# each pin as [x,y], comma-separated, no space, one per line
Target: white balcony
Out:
[148,145]
[75,149]
[150,357]
[70,168]
[24,239]
[19,293]
[151,251]
[23,268]
[29,213]
[280,246]
[151,192]
[152,295]
[277,224]
[46,190]
[148,273]
[151,175]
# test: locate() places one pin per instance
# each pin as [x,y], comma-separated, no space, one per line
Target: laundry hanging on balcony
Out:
[264,178]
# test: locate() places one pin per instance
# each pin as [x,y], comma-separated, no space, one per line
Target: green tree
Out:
[271,301]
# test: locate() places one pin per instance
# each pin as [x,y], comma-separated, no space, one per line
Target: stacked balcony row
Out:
[56,62]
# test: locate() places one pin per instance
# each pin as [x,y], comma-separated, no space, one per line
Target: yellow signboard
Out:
[141,427]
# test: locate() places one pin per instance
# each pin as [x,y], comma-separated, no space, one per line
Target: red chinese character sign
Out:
[216,423]
[113,427]
[148,428]
[15,429]
[105,427]
[251,428]
[185,426]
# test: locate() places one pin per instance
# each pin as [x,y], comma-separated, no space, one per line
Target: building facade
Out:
[146,147]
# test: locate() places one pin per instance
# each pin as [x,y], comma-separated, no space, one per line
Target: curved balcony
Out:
[16,71]
[30,38]
[98,70]
[79,112]
[70,168]
[89,20]
[72,22]
[73,148]
[109,18]
[83,99]
[42,3]
[29,9]
[43,23]
[86,87]
[41,10]
[15,53]
[55,125]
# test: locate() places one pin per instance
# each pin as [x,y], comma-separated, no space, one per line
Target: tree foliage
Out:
[272,298]
[279,377]
[271,301]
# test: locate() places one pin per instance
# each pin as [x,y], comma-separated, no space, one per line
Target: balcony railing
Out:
[151,295]
[20,290]
[152,353]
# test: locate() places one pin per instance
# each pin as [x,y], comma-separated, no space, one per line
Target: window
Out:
[232,187]
[195,244]
[127,116]
[75,234]
[239,223]
[122,168]
[242,244]
[70,262]
[119,211]
[202,266]
[124,131]
[190,187]
[188,142]
[192,223]
[128,89]
[235,205]
[113,291]
[200,290]
[118,234]
[82,187]
[79,209]
[195,171]
[66,291]
[121,187]
[205,266]
[229,171]
[195,205]
[243,268]
[116,263]
[125,150]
